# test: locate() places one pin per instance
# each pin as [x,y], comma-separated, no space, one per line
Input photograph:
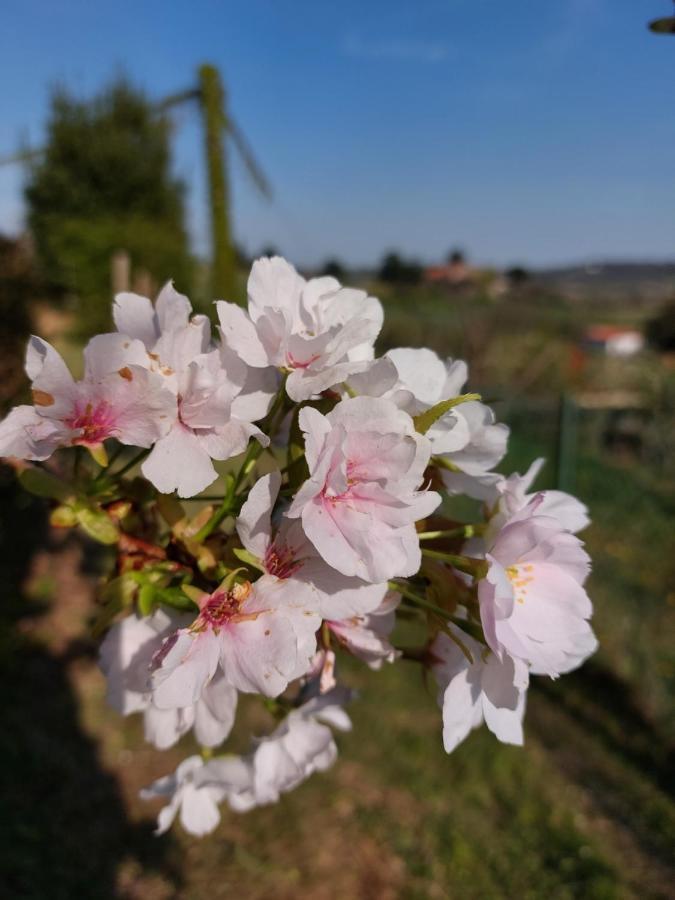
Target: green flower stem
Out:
[254,450]
[130,465]
[463,531]
[470,628]
[474,567]
[419,601]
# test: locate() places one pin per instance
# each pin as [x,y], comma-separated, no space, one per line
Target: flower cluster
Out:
[334,515]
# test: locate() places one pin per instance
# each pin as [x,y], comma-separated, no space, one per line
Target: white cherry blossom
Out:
[532,601]
[359,505]
[116,399]
[126,657]
[317,331]
[301,745]
[259,637]
[512,494]
[366,636]
[286,555]
[192,793]
[466,437]
[218,397]
[484,689]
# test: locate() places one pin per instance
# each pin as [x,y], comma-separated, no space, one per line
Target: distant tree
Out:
[19,286]
[456,256]
[105,184]
[334,268]
[517,276]
[661,329]
[397,270]
[268,250]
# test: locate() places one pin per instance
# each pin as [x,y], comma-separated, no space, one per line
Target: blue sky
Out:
[540,131]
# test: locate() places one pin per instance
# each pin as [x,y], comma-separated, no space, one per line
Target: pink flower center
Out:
[280,561]
[94,422]
[294,363]
[219,608]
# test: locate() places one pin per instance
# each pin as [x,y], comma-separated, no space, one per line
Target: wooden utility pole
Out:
[213,103]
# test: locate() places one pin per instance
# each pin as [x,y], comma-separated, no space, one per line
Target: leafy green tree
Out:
[105,184]
[397,270]
[334,268]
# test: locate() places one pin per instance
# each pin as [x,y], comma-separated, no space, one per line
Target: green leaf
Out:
[98,454]
[175,598]
[63,516]
[43,484]
[444,463]
[425,420]
[194,593]
[248,558]
[98,525]
[146,599]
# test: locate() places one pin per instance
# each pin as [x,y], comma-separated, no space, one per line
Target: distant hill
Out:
[641,284]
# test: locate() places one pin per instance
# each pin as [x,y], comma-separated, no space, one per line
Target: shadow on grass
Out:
[603,704]
[64,829]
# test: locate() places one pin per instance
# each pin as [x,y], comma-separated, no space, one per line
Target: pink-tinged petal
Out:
[316,428]
[488,440]
[274,283]
[379,457]
[565,509]
[481,487]
[53,385]
[134,317]
[584,645]
[199,814]
[142,409]
[496,599]
[506,724]
[173,309]
[185,665]
[258,654]
[461,709]
[26,435]
[106,354]
[215,712]
[338,596]
[177,348]
[239,333]
[230,440]
[257,394]
[166,815]
[377,379]
[304,383]
[498,682]
[164,727]
[457,375]
[254,524]
[422,372]
[366,636]
[324,529]
[119,647]
[179,463]
[371,414]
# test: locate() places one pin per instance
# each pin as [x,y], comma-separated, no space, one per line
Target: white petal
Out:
[254,525]
[179,463]
[134,316]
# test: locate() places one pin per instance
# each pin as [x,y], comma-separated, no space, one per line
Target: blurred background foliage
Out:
[104,184]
